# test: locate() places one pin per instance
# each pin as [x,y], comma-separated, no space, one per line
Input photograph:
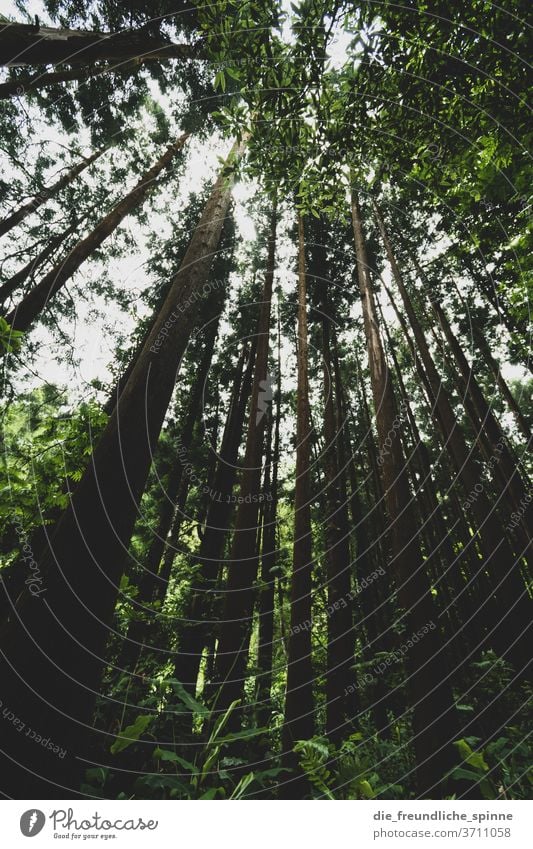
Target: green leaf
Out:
[366,789]
[172,757]
[245,782]
[210,794]
[189,701]
[219,725]
[131,733]
[475,759]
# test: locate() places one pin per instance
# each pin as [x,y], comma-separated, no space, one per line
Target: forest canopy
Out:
[265,279]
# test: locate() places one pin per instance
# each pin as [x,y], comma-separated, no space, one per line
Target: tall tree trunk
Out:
[196,627]
[265,651]
[53,647]
[235,629]
[299,703]
[48,192]
[513,620]
[29,309]
[28,44]
[373,599]
[434,716]
[340,677]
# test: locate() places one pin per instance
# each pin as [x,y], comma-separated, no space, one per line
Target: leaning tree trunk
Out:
[48,192]
[504,466]
[23,85]
[26,44]
[53,647]
[507,395]
[467,618]
[28,270]
[31,306]
[513,622]
[299,704]
[491,363]
[434,716]
[480,583]
[236,625]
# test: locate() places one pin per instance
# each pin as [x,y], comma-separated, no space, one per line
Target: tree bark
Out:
[505,467]
[299,703]
[507,395]
[26,44]
[465,618]
[340,677]
[31,306]
[20,277]
[269,556]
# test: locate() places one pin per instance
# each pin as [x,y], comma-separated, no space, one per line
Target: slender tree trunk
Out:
[53,647]
[26,44]
[18,279]
[266,597]
[265,651]
[299,703]
[507,395]
[232,653]
[31,306]
[27,84]
[16,217]
[372,600]
[196,627]
[510,630]
[340,677]
[434,717]
[491,363]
